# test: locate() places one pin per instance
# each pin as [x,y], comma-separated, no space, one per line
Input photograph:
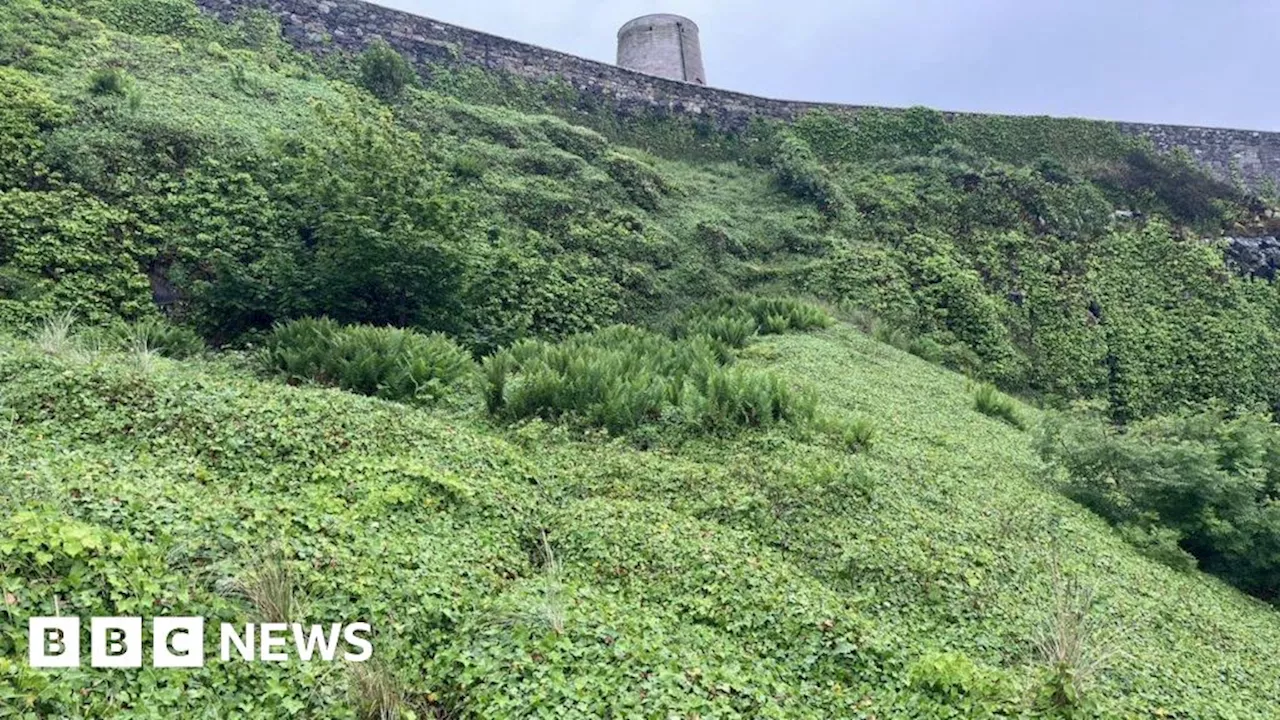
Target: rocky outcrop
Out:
[1256,256]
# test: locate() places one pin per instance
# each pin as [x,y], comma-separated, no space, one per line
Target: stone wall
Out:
[324,26]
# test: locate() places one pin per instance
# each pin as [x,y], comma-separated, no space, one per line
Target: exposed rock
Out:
[1256,256]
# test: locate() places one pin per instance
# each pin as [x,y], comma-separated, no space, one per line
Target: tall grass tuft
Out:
[53,337]
[269,587]
[857,435]
[376,692]
[1070,643]
[989,401]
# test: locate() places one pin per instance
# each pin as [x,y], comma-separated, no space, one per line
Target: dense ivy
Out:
[838,530]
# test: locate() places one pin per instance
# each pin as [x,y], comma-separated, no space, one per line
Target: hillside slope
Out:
[213,170]
[179,185]
[767,576]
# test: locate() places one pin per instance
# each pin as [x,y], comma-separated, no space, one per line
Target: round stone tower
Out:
[662,45]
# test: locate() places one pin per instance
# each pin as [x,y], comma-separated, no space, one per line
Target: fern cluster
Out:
[623,377]
[989,401]
[733,319]
[384,362]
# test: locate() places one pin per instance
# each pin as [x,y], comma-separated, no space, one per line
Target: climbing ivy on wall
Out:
[143,17]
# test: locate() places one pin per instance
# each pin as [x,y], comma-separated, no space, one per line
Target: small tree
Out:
[380,238]
[384,72]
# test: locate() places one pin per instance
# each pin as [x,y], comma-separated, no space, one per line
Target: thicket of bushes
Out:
[1194,488]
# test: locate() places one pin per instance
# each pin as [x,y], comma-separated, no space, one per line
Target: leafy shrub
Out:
[549,161]
[1204,484]
[798,172]
[141,17]
[989,401]
[384,71]
[642,183]
[384,362]
[380,236]
[953,677]
[26,113]
[73,256]
[583,142]
[468,167]
[622,377]
[110,81]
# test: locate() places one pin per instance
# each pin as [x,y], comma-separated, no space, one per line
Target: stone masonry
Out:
[664,45]
[325,26]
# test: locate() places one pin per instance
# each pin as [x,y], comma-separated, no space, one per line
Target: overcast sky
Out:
[1192,62]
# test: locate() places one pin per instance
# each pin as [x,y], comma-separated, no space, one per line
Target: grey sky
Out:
[1193,62]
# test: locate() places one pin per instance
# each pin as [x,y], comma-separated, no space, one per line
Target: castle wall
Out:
[324,26]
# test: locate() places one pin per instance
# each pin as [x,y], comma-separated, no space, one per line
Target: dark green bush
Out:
[1204,484]
[798,172]
[468,167]
[384,71]
[622,378]
[109,81]
[641,182]
[1176,185]
[384,362]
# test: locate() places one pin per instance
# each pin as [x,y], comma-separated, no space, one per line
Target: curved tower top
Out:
[662,45]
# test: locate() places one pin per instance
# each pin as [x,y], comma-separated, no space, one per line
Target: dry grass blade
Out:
[376,691]
[1072,642]
[553,600]
[270,588]
[53,337]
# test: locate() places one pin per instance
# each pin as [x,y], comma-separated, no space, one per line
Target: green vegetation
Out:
[622,377]
[1189,488]
[527,382]
[384,72]
[764,573]
[991,402]
[384,362]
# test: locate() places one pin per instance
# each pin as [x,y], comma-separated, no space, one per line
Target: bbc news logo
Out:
[178,642]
